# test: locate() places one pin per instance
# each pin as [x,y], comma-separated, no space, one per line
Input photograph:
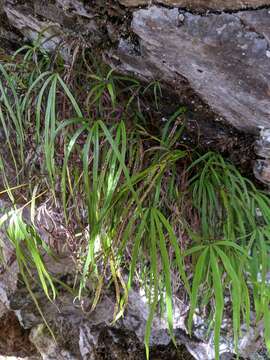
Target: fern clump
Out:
[129,191]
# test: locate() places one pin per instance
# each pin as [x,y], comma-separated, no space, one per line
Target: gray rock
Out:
[47,347]
[53,23]
[201,4]
[222,57]
[261,168]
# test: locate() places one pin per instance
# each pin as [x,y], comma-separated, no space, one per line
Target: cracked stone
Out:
[221,56]
[217,5]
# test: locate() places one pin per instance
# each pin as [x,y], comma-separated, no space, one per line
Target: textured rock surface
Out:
[224,58]
[93,336]
[201,4]
[9,38]
[53,20]
[261,167]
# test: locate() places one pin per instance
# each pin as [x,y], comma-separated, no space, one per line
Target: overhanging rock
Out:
[224,58]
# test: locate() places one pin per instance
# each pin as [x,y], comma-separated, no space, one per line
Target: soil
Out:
[204,131]
[14,340]
[120,345]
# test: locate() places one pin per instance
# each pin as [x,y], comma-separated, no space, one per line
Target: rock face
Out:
[83,335]
[218,5]
[224,58]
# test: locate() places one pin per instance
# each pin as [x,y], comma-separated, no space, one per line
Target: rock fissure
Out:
[184,9]
[201,5]
[218,63]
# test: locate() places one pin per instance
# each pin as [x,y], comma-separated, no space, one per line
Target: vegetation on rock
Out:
[136,206]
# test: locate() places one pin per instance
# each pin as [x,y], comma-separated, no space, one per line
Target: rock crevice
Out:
[202,5]
[223,58]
